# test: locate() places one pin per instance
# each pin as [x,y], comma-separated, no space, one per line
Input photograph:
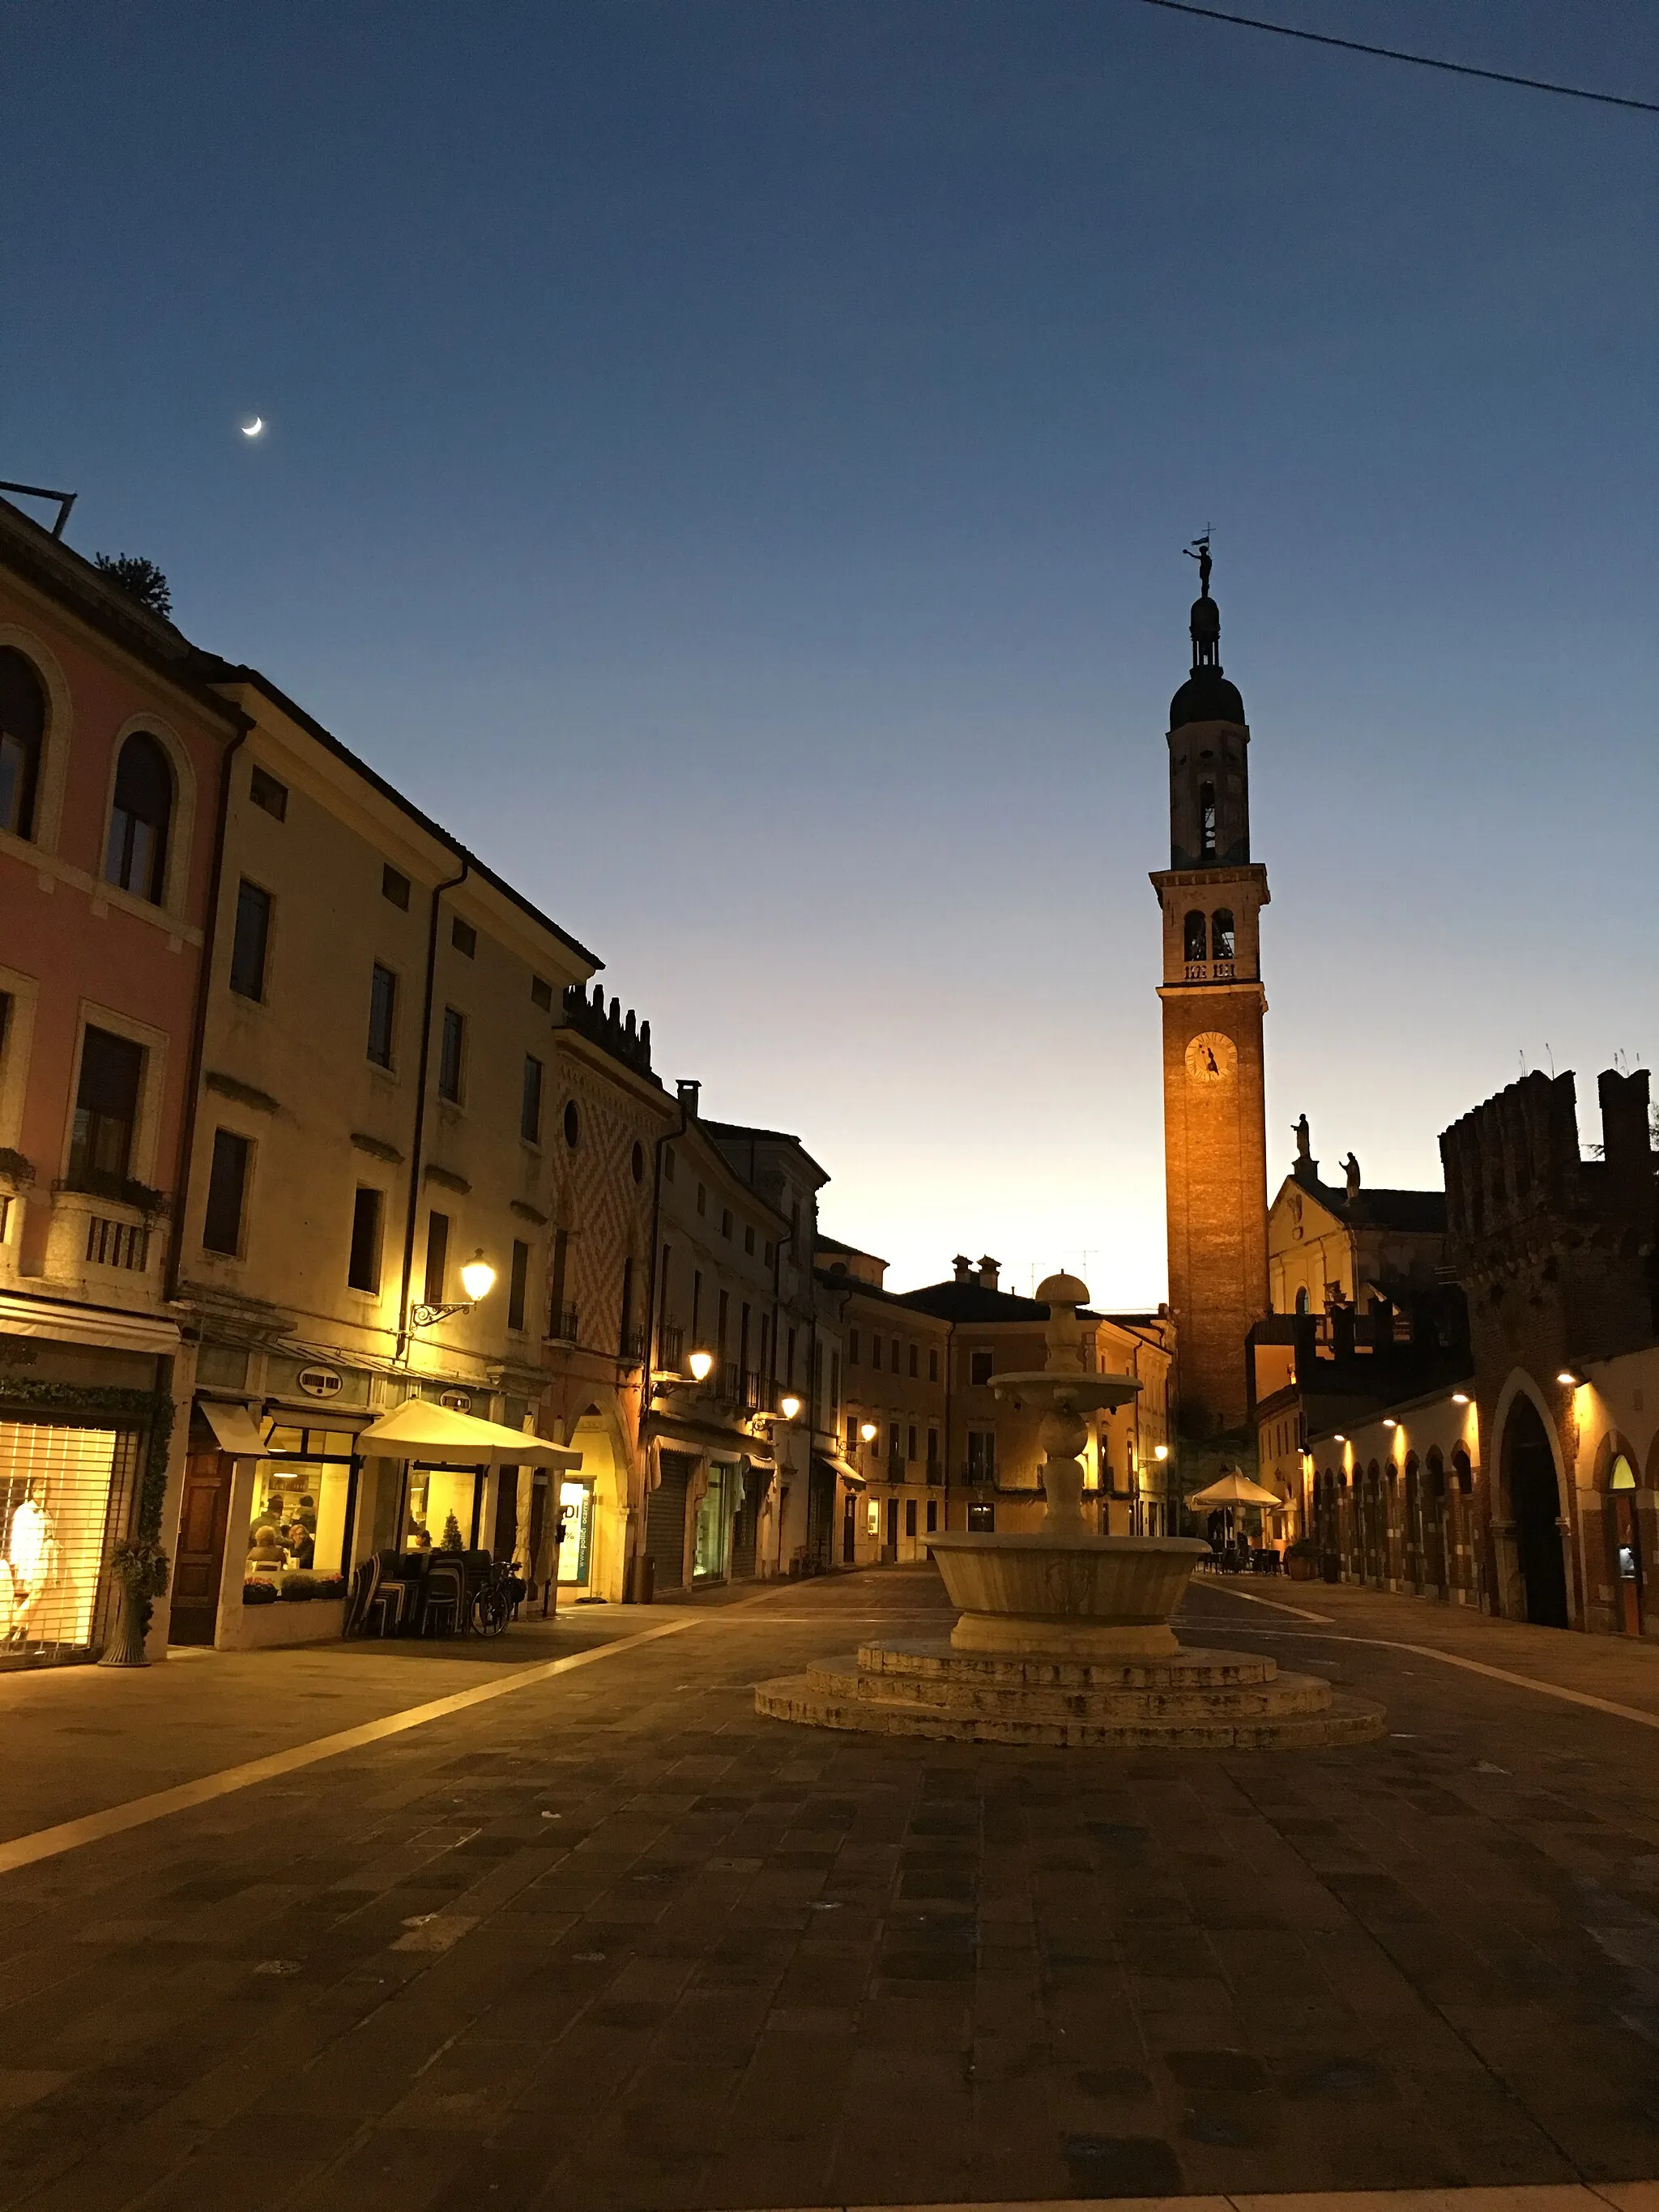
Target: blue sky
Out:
[731,462]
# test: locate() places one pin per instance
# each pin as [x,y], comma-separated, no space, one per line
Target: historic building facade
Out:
[1214,1130]
[112,755]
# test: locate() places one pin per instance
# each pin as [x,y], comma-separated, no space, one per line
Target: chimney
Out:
[688,1091]
[961,1268]
[989,1271]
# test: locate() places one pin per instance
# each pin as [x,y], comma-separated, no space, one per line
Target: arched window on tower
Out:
[1302,1299]
[1206,821]
[1221,933]
[23,733]
[1194,934]
[136,856]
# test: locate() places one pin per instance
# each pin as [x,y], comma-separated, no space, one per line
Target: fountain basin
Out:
[1105,1598]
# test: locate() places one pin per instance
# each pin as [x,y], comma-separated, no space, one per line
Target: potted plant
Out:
[1301,1559]
[140,1567]
[259,1592]
[297,1588]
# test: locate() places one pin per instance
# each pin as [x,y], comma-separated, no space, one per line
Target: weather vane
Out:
[1199,551]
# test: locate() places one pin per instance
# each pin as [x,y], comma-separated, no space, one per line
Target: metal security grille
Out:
[665,1521]
[65,1494]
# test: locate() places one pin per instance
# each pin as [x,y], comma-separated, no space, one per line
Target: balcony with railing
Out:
[561,1324]
[671,1346]
[105,1237]
[632,1347]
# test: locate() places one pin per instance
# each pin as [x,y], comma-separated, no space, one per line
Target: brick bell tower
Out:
[1215,1148]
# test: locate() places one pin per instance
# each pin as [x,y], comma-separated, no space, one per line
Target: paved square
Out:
[611,1941]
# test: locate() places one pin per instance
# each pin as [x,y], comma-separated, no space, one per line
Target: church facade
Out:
[1211,896]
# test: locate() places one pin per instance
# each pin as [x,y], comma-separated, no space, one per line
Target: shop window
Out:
[106,1108]
[452,1052]
[302,1496]
[437,1257]
[979,1367]
[363,1270]
[395,886]
[382,1015]
[464,936]
[267,792]
[711,1542]
[222,1226]
[63,1494]
[529,1100]
[982,1520]
[518,1285]
[1194,937]
[251,942]
[137,855]
[1222,937]
[22,740]
[576,1523]
[541,993]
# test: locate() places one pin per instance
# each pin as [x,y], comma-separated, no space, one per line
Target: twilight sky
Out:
[730,462]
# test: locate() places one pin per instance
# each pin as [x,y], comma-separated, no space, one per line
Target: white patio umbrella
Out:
[1233,1489]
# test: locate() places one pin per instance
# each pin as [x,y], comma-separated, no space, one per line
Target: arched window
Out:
[1221,933]
[23,734]
[1194,933]
[1621,1475]
[1206,821]
[136,856]
[1302,1299]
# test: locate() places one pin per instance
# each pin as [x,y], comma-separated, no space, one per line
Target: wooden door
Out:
[198,1566]
[1627,1562]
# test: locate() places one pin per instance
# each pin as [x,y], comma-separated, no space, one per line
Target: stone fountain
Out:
[1064,1636]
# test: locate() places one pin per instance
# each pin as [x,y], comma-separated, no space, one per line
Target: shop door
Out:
[1627,1560]
[890,1549]
[849,1532]
[199,1564]
[665,1521]
[745,1525]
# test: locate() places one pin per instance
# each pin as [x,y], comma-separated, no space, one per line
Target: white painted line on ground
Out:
[1542,2196]
[138,1811]
[1475,1666]
[1276,1604]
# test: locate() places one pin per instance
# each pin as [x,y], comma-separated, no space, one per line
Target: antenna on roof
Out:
[65,501]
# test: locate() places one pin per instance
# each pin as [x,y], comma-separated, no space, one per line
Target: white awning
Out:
[72,1324]
[839,1467]
[235,1428]
[437,1438]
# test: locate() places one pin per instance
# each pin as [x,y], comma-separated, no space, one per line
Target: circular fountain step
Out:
[1195,1701]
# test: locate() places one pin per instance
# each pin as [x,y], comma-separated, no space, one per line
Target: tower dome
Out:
[1206,695]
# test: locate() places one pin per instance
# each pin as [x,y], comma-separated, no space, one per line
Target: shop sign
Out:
[320,1382]
[459,1401]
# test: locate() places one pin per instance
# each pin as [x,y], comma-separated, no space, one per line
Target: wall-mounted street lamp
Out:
[477,1280]
[788,1410]
[1160,1451]
[702,1365]
[868,1431]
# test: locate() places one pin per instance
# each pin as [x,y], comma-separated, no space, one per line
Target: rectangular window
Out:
[852,1434]
[382,1015]
[892,1440]
[909,1517]
[725,1316]
[668,1163]
[789,1372]
[222,1230]
[914,1356]
[933,1365]
[910,1442]
[541,993]
[703,1197]
[252,939]
[979,1367]
[105,1107]
[556,1317]
[530,1105]
[265,791]
[875,1349]
[725,1222]
[835,1384]
[933,1516]
[394,885]
[437,1256]
[896,1356]
[696,1307]
[749,1239]
[932,1447]
[464,936]
[518,1285]
[451,1051]
[981,1455]
[363,1272]
[852,1348]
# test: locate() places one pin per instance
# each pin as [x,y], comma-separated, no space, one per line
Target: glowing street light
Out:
[788,1405]
[477,1280]
[702,1365]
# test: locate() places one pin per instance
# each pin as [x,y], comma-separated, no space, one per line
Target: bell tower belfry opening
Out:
[1215,1148]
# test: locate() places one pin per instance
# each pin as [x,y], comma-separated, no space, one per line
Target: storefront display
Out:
[576,1516]
[301,1503]
[441,1503]
[711,1549]
[58,1489]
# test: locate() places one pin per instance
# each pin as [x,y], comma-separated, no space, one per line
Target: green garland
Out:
[90,1403]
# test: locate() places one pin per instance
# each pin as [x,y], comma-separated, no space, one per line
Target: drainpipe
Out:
[419,1137]
[198,1020]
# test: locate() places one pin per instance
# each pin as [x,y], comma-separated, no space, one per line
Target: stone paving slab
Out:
[616,1941]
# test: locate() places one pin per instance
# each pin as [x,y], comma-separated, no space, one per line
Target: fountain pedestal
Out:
[1064,1636]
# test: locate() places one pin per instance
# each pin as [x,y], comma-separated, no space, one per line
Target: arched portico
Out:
[1529,1524]
[592,1503]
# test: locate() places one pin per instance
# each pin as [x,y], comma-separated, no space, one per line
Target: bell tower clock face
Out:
[1211,1058]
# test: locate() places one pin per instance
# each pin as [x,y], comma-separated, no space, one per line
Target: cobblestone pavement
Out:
[611,1940]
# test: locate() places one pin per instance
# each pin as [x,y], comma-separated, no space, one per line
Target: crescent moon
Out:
[253,429]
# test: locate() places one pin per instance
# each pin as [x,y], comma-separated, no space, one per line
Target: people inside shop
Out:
[421,1541]
[265,1554]
[301,1545]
